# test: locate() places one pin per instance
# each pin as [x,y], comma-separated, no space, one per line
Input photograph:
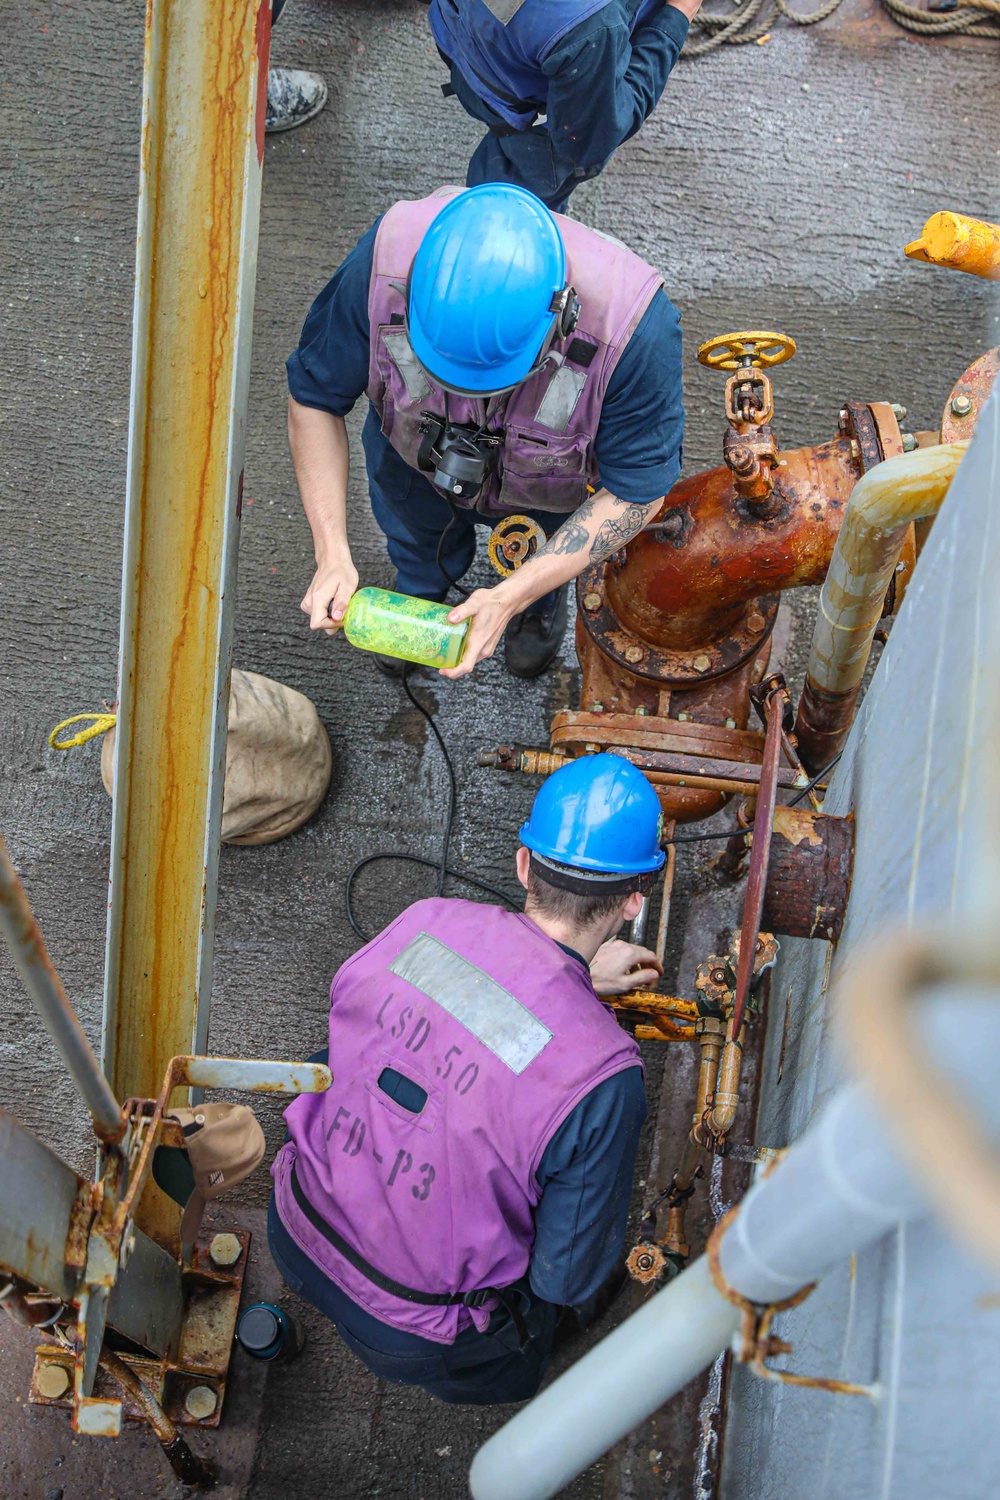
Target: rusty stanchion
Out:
[774,696]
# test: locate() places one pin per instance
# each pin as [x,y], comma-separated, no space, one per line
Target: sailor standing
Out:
[515,362]
[560,83]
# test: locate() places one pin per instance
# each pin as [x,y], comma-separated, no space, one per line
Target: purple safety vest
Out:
[503,1032]
[547,459]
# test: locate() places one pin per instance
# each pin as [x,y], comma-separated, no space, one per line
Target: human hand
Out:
[329,593]
[490,611]
[618,967]
[689,8]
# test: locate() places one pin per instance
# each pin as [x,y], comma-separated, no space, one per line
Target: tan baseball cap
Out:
[223,1143]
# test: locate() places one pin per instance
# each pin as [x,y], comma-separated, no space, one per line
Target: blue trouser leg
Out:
[478,1369]
[412,516]
[526,158]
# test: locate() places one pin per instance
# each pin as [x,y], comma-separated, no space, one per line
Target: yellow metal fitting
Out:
[960,243]
[727,351]
[513,541]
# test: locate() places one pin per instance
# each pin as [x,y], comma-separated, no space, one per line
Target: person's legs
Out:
[525,158]
[412,515]
[478,1369]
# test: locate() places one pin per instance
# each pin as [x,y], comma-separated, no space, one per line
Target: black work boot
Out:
[293,97]
[530,642]
[394,666]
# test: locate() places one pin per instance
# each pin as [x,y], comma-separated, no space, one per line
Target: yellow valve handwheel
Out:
[512,541]
[728,350]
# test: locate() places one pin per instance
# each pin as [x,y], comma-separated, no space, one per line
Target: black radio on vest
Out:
[458,455]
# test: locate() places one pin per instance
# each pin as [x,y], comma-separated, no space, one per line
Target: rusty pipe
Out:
[905,488]
[39,977]
[190,1470]
[753,905]
[710,1039]
[720,1118]
[689,576]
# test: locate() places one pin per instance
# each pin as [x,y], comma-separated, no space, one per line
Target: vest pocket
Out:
[545,473]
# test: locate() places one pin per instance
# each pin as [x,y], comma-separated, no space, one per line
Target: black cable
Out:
[700,838]
[440,548]
[441,863]
[817,778]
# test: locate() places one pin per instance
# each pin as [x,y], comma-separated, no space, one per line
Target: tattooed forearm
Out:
[572,535]
[613,534]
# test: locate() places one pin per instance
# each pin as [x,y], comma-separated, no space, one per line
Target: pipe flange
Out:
[860,425]
[968,396]
[677,669]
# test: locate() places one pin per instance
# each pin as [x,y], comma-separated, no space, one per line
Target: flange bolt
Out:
[52,1381]
[591,602]
[960,406]
[909,442]
[200,1402]
[225,1250]
[899,412]
[634,653]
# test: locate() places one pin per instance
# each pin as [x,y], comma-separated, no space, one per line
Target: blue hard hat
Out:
[482,287]
[597,813]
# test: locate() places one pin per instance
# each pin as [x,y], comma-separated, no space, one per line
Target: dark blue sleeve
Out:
[329,369]
[586,1180]
[603,83]
[641,430]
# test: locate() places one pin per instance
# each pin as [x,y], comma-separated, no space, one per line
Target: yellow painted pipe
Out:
[905,488]
[960,243]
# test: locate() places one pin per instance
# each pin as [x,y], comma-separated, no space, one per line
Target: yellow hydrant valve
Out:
[961,243]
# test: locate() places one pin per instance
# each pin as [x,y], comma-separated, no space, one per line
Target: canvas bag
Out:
[278,761]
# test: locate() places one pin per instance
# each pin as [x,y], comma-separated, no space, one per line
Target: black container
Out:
[265,1332]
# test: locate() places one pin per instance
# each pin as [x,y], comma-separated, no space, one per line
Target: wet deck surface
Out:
[774,186]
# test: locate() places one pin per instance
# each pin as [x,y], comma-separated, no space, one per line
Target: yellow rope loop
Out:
[96,724]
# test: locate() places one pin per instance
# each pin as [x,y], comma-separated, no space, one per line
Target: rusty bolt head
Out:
[844,419]
[909,442]
[960,406]
[755,622]
[730,723]
[684,718]
[200,1402]
[855,448]
[225,1249]
[634,653]
[702,662]
[899,412]
[718,976]
[642,711]
[52,1381]
[591,602]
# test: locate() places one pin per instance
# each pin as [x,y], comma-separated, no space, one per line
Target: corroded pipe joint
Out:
[751,456]
[675,1241]
[722,1115]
